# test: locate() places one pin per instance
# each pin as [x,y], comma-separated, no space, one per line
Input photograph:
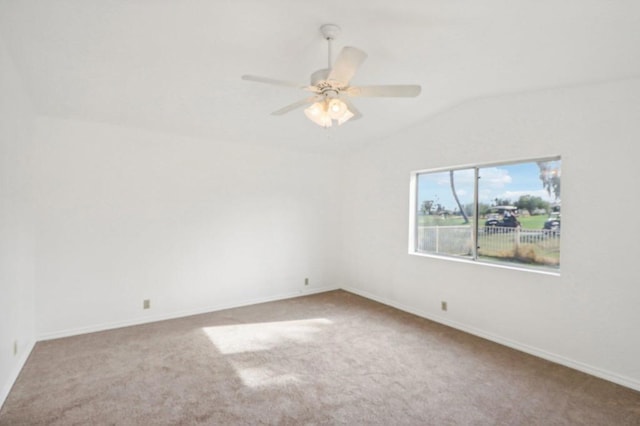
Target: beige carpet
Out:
[332,358]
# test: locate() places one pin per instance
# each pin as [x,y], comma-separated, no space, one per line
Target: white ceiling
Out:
[175,65]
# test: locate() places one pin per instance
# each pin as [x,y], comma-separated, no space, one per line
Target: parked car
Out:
[502,217]
[506,222]
[552,224]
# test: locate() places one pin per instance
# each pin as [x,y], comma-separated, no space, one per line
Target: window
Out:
[506,213]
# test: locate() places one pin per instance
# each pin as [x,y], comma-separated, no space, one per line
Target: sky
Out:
[505,182]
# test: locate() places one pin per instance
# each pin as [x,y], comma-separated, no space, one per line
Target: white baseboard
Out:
[540,353]
[15,372]
[178,314]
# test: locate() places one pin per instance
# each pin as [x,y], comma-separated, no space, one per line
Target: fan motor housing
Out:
[319,76]
[326,88]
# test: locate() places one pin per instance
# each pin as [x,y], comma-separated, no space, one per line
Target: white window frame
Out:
[474,259]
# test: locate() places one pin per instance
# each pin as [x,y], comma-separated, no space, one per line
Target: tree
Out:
[550,176]
[502,202]
[469,209]
[531,203]
[483,209]
[455,195]
[426,206]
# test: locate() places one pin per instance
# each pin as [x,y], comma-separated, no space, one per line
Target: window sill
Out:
[486,263]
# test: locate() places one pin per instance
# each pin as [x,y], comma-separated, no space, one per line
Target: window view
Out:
[445,212]
[506,213]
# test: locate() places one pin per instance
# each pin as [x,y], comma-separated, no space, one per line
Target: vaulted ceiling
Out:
[175,65]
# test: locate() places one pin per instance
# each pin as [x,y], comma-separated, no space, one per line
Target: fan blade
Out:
[296,105]
[273,81]
[391,90]
[346,65]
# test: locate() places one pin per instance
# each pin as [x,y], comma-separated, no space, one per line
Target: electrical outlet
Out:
[15,347]
[306,281]
[146,304]
[443,305]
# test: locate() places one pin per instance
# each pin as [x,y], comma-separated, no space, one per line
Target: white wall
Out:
[193,225]
[17,246]
[588,317]
[124,215]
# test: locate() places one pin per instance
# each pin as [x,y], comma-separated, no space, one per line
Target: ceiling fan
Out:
[331,90]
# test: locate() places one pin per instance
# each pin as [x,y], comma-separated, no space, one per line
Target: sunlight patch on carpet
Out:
[260,377]
[239,338]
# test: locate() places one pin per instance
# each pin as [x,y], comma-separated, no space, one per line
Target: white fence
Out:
[456,240]
[541,246]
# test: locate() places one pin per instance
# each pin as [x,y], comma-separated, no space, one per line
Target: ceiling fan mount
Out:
[331,86]
[330,31]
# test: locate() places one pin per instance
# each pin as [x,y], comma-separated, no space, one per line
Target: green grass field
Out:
[527,222]
[434,220]
[532,222]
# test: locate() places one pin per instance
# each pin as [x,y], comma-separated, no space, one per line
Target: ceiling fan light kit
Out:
[324,112]
[330,87]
